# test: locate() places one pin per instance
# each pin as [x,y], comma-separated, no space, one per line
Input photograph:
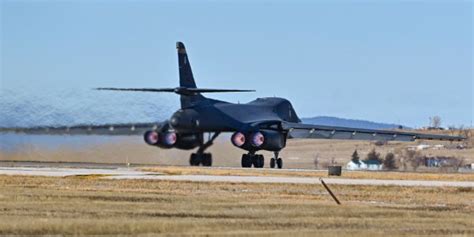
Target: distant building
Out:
[356,166]
[432,128]
[439,161]
[419,147]
[364,165]
[438,147]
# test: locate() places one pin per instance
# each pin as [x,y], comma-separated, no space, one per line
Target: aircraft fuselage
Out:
[215,115]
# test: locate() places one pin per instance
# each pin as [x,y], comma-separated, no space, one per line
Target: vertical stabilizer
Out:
[186,78]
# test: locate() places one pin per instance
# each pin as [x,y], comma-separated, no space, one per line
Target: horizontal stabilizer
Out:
[137,89]
[202,90]
[177,90]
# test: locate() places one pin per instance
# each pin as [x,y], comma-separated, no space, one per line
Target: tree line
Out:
[388,162]
[406,158]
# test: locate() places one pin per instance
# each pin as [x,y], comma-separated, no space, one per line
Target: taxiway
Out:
[136,173]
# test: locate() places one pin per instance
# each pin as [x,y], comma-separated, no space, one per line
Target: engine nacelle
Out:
[168,139]
[262,140]
[152,138]
[163,140]
[172,139]
[238,139]
[268,140]
[257,139]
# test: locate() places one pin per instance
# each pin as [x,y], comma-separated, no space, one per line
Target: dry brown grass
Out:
[91,206]
[180,170]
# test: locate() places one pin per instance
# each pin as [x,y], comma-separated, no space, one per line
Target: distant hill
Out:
[355,123]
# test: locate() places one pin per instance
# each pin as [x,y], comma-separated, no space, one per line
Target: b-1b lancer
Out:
[262,124]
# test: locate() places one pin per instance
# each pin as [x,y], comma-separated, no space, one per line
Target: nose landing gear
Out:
[276,161]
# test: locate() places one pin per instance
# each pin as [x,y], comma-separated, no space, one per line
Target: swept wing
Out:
[298,130]
[103,129]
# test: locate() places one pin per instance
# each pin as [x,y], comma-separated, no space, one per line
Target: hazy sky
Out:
[396,61]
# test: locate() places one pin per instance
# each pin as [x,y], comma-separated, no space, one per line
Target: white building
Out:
[419,147]
[364,165]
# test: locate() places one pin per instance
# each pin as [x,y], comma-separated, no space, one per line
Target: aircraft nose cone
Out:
[178,120]
[183,120]
[174,121]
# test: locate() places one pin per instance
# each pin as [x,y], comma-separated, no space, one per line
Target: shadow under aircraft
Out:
[262,124]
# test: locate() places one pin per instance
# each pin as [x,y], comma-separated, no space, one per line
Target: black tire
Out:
[249,161]
[272,163]
[279,162]
[261,161]
[255,161]
[194,160]
[246,161]
[206,159]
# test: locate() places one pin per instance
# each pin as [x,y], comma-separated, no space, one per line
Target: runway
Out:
[64,172]
[135,173]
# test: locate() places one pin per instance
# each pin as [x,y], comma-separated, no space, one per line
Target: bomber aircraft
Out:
[262,124]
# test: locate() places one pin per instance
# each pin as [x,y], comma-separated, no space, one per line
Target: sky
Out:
[391,61]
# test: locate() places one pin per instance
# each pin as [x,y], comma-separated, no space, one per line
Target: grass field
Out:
[92,206]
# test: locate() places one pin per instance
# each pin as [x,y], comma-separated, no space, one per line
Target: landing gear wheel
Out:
[195,159]
[200,157]
[246,161]
[206,159]
[279,162]
[272,163]
[258,161]
[262,161]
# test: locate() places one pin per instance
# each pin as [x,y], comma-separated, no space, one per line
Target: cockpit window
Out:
[286,112]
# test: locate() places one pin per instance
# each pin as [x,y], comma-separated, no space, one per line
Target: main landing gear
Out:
[201,158]
[252,159]
[258,161]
